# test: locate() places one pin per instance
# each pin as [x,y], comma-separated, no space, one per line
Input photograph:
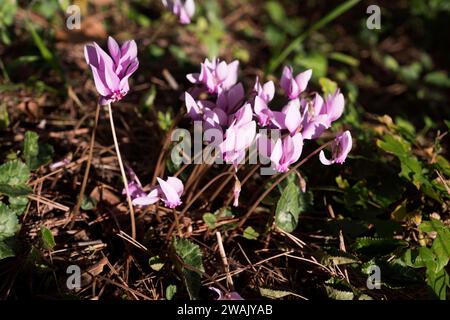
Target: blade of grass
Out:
[336,12]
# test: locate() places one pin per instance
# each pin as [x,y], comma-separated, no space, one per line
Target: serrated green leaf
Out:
[288,208]
[250,234]
[156,263]
[9,224]
[170,291]
[377,246]
[340,260]
[14,173]
[191,255]
[336,294]
[47,238]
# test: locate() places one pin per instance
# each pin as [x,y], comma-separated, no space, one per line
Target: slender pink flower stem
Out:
[122,170]
[281,178]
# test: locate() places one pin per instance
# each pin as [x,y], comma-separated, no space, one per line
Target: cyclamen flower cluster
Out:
[304,117]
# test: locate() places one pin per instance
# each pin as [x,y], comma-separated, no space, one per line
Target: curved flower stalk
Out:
[169,192]
[184,10]
[112,71]
[340,148]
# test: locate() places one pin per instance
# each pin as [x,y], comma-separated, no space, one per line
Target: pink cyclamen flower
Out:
[111,71]
[169,191]
[226,296]
[293,86]
[266,92]
[340,148]
[334,106]
[184,10]
[284,152]
[239,135]
[267,117]
[216,75]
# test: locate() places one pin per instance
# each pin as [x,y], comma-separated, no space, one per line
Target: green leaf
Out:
[377,246]
[47,238]
[250,234]
[156,263]
[170,291]
[191,255]
[438,78]
[31,149]
[340,259]
[210,220]
[15,191]
[276,12]
[447,123]
[88,203]
[273,294]
[441,244]
[4,117]
[36,154]
[18,204]
[337,294]
[5,251]
[315,61]
[9,224]
[439,282]
[14,173]
[411,167]
[328,86]
[344,58]
[288,208]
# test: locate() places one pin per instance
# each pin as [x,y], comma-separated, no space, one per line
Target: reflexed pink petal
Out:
[277,153]
[293,117]
[193,109]
[176,183]
[151,198]
[286,78]
[302,79]
[232,75]
[169,194]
